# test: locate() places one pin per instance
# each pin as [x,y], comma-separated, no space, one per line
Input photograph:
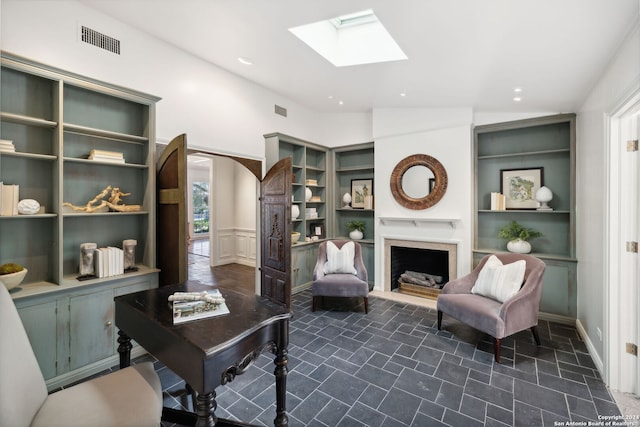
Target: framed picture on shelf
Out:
[360,188]
[316,229]
[519,187]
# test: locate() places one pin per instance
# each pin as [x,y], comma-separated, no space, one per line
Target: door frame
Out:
[257,167]
[622,321]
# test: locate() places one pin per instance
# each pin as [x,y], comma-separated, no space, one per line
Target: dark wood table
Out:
[208,352]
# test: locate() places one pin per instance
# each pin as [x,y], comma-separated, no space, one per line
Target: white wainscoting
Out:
[234,245]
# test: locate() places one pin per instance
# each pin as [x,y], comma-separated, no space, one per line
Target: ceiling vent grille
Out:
[280,110]
[100,40]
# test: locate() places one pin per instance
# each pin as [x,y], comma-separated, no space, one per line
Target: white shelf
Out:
[417,222]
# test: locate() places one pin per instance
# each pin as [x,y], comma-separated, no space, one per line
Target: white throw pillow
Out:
[499,282]
[340,260]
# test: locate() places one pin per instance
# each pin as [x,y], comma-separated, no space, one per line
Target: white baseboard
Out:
[558,318]
[590,347]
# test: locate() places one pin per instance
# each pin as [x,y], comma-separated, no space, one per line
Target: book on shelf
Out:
[109,261]
[312,182]
[106,156]
[105,153]
[10,197]
[7,145]
[188,310]
[497,202]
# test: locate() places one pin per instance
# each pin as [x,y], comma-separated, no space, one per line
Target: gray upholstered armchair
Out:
[498,319]
[348,284]
[128,397]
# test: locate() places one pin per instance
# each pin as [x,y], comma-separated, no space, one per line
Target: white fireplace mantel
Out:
[417,222]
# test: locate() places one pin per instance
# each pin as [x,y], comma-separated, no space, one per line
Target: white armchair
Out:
[128,397]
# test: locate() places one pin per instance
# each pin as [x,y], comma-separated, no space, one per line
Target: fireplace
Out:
[419,268]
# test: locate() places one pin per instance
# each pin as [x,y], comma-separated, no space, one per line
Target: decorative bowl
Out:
[12,280]
[295,236]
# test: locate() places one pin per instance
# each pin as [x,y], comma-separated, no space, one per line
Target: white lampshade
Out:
[544,196]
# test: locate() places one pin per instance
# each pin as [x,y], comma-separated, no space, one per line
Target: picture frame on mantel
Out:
[519,187]
[360,188]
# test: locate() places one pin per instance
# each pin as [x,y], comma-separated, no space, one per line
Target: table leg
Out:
[124,349]
[205,409]
[280,372]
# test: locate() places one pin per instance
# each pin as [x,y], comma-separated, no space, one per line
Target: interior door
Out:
[171,221]
[275,225]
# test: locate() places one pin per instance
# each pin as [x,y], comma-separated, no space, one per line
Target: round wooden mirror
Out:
[418,181]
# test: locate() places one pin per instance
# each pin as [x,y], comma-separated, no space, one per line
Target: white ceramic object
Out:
[356,235]
[308,194]
[28,207]
[12,280]
[544,196]
[295,236]
[295,211]
[346,199]
[519,246]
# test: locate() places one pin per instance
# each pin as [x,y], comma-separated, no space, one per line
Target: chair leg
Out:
[497,345]
[439,319]
[534,331]
[366,305]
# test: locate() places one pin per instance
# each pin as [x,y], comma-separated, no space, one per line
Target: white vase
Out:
[356,235]
[519,246]
[295,211]
[307,194]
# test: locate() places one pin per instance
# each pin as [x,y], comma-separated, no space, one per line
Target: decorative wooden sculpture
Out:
[114,202]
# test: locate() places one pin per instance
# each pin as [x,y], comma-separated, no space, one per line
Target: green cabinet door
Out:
[91,328]
[40,323]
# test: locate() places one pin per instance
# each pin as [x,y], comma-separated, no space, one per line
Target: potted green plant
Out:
[518,237]
[356,229]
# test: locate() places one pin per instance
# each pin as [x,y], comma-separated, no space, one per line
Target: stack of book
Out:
[9,197]
[7,145]
[310,213]
[312,182]
[497,202]
[106,156]
[109,261]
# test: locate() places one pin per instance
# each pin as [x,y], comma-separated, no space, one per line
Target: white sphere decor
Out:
[28,207]
[544,196]
[307,194]
[295,211]
[346,199]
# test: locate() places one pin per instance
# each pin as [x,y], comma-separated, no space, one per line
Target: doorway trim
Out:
[622,322]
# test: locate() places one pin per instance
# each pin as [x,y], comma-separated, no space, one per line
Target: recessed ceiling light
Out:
[245,61]
[403,94]
[330,97]
[353,39]
[341,103]
[517,90]
[517,99]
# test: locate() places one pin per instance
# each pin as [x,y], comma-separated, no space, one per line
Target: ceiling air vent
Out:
[280,110]
[100,40]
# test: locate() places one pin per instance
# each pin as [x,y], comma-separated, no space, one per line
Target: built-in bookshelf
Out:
[56,119]
[546,143]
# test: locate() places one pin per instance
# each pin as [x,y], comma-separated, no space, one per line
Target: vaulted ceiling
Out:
[461,53]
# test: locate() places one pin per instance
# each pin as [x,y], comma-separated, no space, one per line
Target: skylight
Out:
[353,39]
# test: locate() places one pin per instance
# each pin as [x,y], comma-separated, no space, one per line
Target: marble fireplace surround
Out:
[449,246]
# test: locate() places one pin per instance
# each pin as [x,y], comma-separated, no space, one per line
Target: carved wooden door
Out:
[171,226]
[275,224]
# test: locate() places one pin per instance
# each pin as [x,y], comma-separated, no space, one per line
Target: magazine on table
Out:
[188,306]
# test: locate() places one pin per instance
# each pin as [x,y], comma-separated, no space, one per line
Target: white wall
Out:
[216,109]
[446,135]
[621,79]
